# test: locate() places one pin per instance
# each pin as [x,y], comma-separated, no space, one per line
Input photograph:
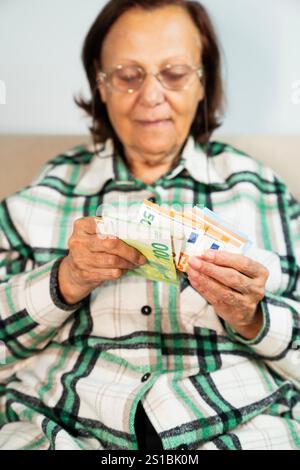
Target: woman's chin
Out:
[156,147]
[156,143]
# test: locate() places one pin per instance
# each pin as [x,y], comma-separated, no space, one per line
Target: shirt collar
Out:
[99,171]
[198,165]
[107,165]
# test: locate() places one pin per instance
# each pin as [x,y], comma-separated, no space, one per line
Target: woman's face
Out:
[152,39]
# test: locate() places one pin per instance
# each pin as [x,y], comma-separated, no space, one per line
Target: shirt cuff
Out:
[42,297]
[275,336]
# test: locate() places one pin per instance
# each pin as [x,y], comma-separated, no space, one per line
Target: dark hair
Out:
[210,109]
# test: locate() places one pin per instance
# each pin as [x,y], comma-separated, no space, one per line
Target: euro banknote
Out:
[169,237]
[153,242]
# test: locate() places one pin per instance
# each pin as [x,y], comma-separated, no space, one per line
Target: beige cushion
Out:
[22,156]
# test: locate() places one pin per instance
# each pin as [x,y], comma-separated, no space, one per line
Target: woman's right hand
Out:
[93,259]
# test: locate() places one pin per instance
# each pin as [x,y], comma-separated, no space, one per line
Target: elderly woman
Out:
[94,359]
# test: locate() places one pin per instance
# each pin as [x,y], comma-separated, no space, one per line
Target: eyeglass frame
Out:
[103,76]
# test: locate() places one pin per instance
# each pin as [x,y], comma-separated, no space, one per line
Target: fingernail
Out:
[142,260]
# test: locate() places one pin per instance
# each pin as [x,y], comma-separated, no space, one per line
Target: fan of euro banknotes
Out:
[168,237]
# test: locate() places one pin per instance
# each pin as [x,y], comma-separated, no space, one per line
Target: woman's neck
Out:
[149,173]
[149,168]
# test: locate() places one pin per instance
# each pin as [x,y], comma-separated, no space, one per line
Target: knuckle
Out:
[196,284]
[246,263]
[260,293]
[202,281]
[236,280]
[110,243]
[208,268]
[229,298]
[72,242]
[94,278]
[116,273]
[266,273]
[75,243]
[111,260]
[78,223]
[86,276]
[245,286]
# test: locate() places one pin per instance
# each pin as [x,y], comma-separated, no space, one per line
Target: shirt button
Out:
[152,199]
[146,377]
[146,310]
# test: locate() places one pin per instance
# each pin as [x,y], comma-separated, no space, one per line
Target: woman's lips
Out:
[161,122]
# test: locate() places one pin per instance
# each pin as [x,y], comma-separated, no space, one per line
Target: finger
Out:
[205,286]
[214,292]
[105,260]
[99,275]
[226,276]
[241,263]
[117,247]
[85,225]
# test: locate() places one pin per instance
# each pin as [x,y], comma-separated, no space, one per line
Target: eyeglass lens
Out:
[132,77]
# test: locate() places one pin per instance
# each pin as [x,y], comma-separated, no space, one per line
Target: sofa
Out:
[21,156]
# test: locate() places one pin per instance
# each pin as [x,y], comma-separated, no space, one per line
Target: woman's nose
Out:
[152,91]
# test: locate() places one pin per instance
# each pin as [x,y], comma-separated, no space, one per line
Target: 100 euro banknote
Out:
[153,242]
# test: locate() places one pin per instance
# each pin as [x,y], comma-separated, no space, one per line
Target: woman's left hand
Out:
[234,285]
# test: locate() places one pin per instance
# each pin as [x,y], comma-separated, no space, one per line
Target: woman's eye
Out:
[128,78]
[128,75]
[173,75]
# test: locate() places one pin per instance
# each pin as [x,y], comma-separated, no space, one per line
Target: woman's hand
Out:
[93,259]
[234,285]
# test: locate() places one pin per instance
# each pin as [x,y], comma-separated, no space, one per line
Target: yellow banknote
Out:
[153,242]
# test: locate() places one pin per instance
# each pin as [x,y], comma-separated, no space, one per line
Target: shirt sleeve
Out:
[31,310]
[278,342]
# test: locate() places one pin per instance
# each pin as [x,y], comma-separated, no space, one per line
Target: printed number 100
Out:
[160,251]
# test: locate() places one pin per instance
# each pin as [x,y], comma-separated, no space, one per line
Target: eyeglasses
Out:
[130,78]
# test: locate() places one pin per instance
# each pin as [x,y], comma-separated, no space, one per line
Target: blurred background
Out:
[40,47]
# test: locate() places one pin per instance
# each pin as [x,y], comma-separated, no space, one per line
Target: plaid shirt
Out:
[72,376]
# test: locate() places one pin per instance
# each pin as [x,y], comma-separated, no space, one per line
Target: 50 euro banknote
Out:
[168,220]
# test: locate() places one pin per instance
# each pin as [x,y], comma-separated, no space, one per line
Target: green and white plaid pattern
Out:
[73,377]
